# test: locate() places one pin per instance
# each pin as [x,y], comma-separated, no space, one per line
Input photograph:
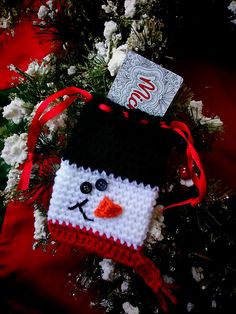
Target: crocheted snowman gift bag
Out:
[107,186]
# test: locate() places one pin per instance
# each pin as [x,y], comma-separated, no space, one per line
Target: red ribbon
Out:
[193,159]
[41,119]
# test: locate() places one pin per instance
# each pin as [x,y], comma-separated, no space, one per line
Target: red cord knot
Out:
[195,201]
[105,108]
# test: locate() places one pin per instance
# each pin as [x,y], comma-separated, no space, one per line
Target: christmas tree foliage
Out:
[193,247]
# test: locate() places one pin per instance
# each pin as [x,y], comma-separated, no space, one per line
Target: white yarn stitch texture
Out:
[136,200]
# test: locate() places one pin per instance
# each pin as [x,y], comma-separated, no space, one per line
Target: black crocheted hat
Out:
[127,143]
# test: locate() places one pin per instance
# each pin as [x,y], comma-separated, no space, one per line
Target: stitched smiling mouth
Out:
[80,206]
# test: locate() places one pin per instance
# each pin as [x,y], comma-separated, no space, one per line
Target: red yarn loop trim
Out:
[144,121]
[125,114]
[105,108]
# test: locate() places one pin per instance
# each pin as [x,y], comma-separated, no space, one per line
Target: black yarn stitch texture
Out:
[110,142]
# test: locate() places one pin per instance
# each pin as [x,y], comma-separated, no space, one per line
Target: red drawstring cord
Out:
[192,159]
[41,119]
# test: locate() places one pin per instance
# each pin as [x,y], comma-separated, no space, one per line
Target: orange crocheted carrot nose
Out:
[107,209]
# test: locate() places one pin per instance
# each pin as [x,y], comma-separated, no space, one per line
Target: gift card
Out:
[142,84]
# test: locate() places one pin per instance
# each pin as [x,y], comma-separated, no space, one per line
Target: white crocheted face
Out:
[110,206]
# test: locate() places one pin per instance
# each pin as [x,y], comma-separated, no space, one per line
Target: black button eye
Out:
[86,187]
[101,185]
